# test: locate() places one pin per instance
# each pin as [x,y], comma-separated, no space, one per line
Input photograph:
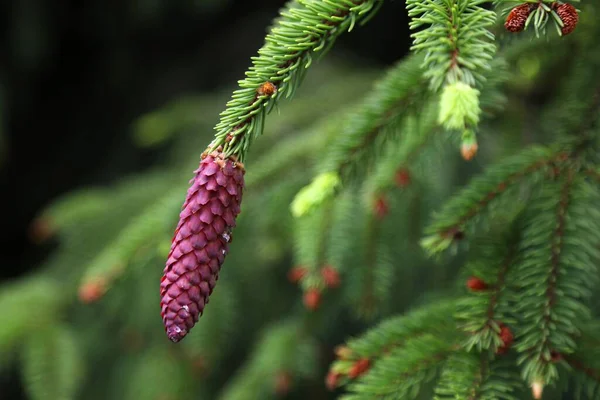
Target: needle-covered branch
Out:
[370,126]
[459,214]
[304,29]
[482,312]
[556,272]
[474,376]
[456,39]
[402,372]
[397,331]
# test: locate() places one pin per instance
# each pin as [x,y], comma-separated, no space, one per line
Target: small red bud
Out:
[332,380]
[568,15]
[515,22]
[266,89]
[507,339]
[468,150]
[381,207]
[312,299]
[359,368]
[296,274]
[402,177]
[331,276]
[476,284]
[92,290]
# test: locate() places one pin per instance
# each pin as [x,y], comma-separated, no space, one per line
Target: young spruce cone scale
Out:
[568,15]
[200,242]
[517,18]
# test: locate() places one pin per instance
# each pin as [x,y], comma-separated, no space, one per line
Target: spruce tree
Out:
[430,231]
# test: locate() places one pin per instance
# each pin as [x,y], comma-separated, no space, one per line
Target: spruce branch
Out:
[418,133]
[367,129]
[142,231]
[474,376]
[402,372]
[303,28]
[371,278]
[376,120]
[480,313]
[585,384]
[456,39]
[396,331]
[583,366]
[461,212]
[459,48]
[556,272]
[311,247]
[52,364]
[43,300]
[283,346]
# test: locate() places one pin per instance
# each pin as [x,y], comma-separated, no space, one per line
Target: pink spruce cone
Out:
[200,242]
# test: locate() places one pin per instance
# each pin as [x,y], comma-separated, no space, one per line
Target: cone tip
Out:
[176,333]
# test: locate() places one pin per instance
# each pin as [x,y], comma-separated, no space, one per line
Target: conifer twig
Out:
[471,202]
[302,29]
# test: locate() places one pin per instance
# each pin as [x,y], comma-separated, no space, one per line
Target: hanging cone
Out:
[568,15]
[200,242]
[515,22]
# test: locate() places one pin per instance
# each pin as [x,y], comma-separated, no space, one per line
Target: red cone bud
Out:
[92,290]
[515,22]
[381,207]
[312,299]
[331,276]
[266,89]
[296,274]
[476,285]
[332,380]
[402,178]
[507,339]
[359,368]
[568,15]
[201,242]
[468,150]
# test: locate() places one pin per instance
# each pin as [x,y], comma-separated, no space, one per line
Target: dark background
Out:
[74,75]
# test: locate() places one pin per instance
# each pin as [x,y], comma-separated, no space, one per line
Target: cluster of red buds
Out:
[517,18]
[312,296]
[346,367]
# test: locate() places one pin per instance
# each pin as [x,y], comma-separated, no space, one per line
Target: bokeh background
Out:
[78,78]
